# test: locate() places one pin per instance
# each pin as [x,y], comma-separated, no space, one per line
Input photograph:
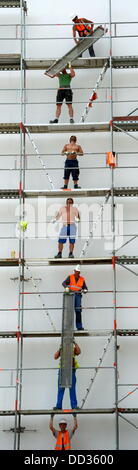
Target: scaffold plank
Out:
[57,334]
[95,192]
[126,123]
[12,4]
[58,412]
[78,411]
[66,352]
[9,262]
[127,332]
[80,63]
[68,261]
[74,53]
[12,62]
[9,193]
[14,128]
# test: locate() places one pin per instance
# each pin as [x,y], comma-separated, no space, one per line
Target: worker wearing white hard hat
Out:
[76,284]
[63,437]
[73,16]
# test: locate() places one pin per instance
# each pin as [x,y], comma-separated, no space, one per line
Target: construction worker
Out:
[83,27]
[76,283]
[63,436]
[71,164]
[72,389]
[64,92]
[69,214]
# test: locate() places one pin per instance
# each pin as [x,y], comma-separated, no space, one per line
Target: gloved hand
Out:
[69,65]
[66,289]
[53,220]
[77,219]
[85,291]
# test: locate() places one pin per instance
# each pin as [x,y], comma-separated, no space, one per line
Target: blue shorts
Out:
[67,231]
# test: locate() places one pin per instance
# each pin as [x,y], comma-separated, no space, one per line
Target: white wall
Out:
[40,386]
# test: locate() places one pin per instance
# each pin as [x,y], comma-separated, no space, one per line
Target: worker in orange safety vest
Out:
[76,283]
[83,27]
[63,436]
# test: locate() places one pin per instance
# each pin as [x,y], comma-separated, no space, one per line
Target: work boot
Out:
[59,255]
[80,328]
[71,121]
[64,187]
[55,121]
[71,255]
[76,186]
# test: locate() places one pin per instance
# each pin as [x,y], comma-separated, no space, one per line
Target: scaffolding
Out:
[124,124]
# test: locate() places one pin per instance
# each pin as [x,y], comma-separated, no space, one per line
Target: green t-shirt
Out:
[64,80]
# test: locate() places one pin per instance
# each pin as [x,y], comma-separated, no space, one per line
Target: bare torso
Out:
[72,150]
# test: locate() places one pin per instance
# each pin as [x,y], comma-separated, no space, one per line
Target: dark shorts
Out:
[67,231]
[71,168]
[64,93]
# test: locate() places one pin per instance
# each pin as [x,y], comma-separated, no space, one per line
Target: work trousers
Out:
[78,309]
[72,392]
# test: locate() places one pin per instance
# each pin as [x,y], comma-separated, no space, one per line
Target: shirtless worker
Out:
[71,164]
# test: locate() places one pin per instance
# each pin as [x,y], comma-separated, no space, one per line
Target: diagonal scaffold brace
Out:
[25,129]
[94,94]
[97,369]
[40,298]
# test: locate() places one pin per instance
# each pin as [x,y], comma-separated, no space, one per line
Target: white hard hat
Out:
[62,421]
[72,16]
[77,268]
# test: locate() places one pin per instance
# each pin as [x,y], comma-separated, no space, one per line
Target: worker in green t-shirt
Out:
[64,92]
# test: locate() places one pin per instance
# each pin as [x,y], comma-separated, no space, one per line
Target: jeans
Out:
[78,310]
[72,392]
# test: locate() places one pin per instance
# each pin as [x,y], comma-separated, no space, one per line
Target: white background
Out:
[40,386]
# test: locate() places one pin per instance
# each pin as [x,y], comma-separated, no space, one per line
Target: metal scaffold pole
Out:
[22,206]
[113,227]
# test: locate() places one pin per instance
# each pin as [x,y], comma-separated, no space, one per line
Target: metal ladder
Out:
[67,340]
[75,52]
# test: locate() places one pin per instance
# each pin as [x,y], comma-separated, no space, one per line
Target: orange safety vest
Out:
[83,29]
[76,285]
[66,441]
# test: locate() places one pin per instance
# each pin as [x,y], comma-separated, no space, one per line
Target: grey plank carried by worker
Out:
[67,336]
[75,52]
